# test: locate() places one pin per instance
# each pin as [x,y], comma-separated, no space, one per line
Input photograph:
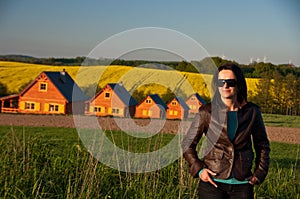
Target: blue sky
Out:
[238,30]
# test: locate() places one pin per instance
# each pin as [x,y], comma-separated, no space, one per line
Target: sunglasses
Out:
[229,82]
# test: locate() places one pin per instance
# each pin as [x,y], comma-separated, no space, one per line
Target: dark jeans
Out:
[239,191]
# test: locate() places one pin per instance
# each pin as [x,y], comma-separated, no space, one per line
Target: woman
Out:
[230,124]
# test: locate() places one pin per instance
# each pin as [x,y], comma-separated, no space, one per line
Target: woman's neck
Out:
[231,104]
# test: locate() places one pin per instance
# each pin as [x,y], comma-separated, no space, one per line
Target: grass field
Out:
[281,120]
[40,162]
[15,75]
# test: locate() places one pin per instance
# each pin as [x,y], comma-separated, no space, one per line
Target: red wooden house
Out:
[49,93]
[112,100]
[151,107]
[177,109]
[194,102]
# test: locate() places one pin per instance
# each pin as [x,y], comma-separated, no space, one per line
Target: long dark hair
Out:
[240,78]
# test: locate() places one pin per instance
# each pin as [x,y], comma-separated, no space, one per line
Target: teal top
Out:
[232,125]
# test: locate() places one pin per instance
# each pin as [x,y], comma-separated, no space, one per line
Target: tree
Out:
[263,99]
[138,95]
[277,93]
[168,96]
[3,90]
[262,69]
[181,66]
[290,92]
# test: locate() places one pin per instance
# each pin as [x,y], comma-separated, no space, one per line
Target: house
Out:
[112,100]
[51,93]
[151,107]
[194,102]
[177,109]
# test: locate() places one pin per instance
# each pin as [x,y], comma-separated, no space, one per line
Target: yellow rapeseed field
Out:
[15,75]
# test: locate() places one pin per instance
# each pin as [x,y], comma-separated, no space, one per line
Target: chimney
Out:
[63,72]
[63,75]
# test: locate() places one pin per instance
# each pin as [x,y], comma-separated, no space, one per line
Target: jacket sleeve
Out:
[190,142]
[262,149]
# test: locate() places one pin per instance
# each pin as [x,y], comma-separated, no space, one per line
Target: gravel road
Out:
[278,134]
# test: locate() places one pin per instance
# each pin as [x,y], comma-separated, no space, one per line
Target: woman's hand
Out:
[205,176]
[253,180]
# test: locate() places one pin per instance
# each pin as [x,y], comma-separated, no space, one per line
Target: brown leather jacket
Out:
[222,156]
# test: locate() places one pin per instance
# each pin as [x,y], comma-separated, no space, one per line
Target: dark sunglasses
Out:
[229,82]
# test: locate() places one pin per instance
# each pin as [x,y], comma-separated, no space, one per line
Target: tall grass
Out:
[52,163]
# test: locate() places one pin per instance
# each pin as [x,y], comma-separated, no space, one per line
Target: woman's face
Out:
[227,84]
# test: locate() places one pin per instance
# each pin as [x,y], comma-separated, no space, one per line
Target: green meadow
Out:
[281,120]
[43,162]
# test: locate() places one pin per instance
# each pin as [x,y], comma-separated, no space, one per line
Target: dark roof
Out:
[66,85]
[182,103]
[199,98]
[158,100]
[123,94]
[14,96]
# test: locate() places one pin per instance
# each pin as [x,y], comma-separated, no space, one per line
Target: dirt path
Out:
[278,134]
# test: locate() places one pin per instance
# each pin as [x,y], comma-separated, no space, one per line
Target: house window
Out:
[144,112]
[192,107]
[171,112]
[6,104]
[97,109]
[53,108]
[29,106]
[148,101]
[147,113]
[107,95]
[115,110]
[15,103]
[43,86]
[174,103]
[193,98]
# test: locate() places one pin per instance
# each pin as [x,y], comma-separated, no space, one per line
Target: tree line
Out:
[206,65]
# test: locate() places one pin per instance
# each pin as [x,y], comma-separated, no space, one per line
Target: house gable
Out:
[107,97]
[42,88]
[57,85]
[66,86]
[123,94]
[114,92]
[180,102]
[153,100]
